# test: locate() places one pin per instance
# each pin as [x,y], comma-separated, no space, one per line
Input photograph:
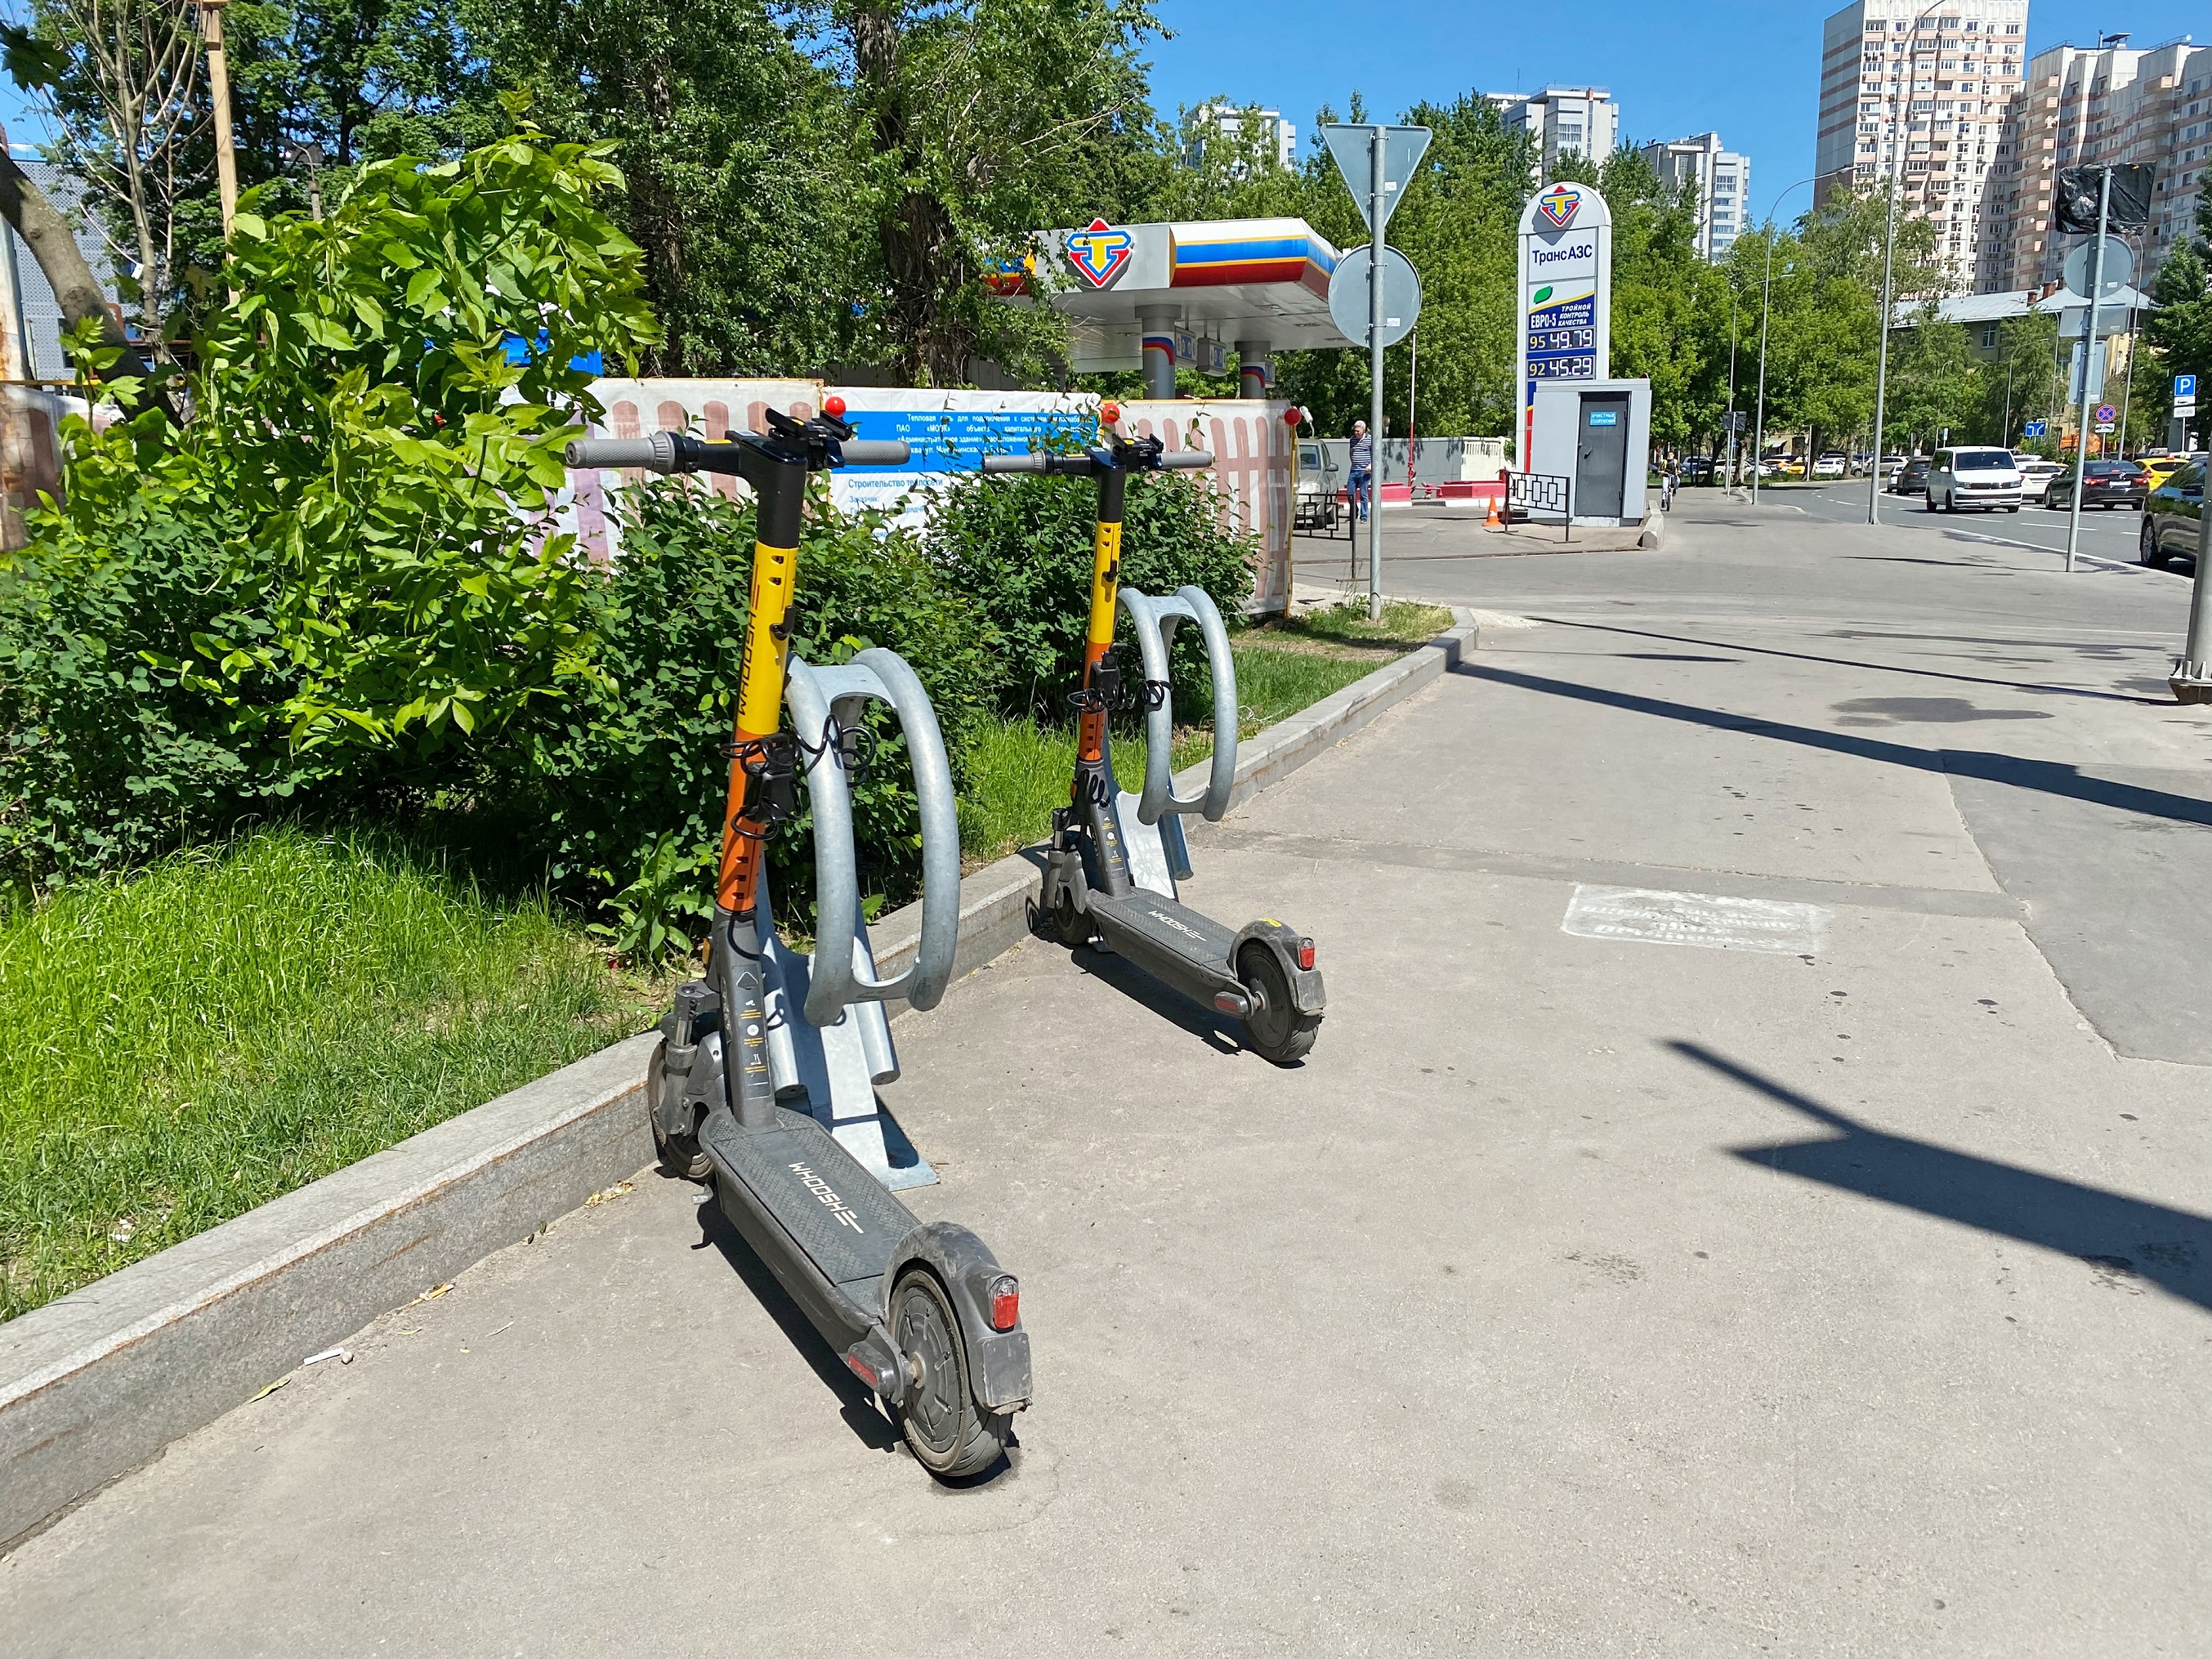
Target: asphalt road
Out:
[1750,1197]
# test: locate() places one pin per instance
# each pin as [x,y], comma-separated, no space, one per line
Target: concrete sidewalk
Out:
[1581,1295]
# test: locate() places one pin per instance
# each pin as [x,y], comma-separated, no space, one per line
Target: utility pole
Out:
[1377,219]
[19,468]
[2088,364]
[226,153]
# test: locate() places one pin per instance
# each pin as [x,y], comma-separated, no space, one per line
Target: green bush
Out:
[1020,546]
[331,574]
[107,758]
[631,776]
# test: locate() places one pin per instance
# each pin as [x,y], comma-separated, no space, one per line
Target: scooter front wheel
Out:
[681,1155]
[950,1432]
[1274,1029]
[1070,926]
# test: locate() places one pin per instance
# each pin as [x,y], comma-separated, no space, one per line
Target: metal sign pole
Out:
[2193,674]
[1377,219]
[2089,366]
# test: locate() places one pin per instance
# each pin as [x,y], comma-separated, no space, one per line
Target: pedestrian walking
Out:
[1670,482]
[1360,486]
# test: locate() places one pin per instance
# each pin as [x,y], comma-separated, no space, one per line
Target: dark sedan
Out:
[1911,478]
[2172,518]
[2103,483]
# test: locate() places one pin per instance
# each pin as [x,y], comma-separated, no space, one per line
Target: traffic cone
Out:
[1493,522]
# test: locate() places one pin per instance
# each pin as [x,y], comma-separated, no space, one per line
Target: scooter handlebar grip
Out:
[1034,462]
[875,452]
[656,453]
[1187,457]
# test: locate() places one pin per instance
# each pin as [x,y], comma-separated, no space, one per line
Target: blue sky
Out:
[1752,72]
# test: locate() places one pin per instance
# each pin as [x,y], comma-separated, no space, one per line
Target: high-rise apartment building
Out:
[2085,105]
[1564,121]
[1233,121]
[1722,179]
[1920,93]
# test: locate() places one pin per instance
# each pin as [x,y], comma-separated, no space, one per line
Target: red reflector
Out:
[1005,1302]
[865,1371]
[1229,1002]
[1305,953]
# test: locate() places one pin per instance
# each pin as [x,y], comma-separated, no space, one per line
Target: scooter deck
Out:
[823,1204]
[1169,940]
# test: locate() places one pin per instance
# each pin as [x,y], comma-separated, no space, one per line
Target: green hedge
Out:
[613,789]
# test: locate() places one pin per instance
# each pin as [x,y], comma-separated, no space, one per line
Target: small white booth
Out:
[1597,435]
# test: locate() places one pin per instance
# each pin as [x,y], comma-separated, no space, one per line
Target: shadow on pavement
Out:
[1845,662]
[2047,777]
[856,1402]
[2121,1236]
[1217,1031]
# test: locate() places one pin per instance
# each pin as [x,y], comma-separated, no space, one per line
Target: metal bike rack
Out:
[1155,621]
[839,1046]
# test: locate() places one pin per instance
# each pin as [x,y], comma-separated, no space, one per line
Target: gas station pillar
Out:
[1254,368]
[1156,325]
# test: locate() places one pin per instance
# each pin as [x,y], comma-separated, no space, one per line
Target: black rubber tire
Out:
[681,1155]
[2146,545]
[1274,1029]
[950,1432]
[1928,502]
[2012,509]
[1070,926]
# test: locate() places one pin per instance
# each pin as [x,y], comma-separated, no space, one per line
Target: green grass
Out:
[1018,771]
[178,1048]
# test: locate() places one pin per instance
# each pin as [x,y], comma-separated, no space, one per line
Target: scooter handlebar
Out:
[1187,457]
[875,452]
[655,454]
[1080,466]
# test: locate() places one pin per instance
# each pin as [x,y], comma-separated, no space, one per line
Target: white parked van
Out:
[1979,476]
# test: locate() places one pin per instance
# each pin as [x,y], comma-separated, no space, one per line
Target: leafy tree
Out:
[1935,382]
[982,122]
[374,460]
[2180,331]
[2025,382]
[740,174]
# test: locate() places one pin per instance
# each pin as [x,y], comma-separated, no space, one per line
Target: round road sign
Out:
[2105,412]
[2119,268]
[1401,296]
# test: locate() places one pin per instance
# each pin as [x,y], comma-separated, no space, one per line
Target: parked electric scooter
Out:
[764,1082]
[1116,857]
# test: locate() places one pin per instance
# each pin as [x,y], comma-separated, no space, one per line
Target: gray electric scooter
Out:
[763,1084]
[1116,857]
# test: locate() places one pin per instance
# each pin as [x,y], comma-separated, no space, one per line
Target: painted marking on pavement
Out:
[1651,917]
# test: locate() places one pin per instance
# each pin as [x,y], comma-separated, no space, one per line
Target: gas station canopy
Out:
[1142,296]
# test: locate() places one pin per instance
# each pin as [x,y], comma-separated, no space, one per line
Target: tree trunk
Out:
[46,232]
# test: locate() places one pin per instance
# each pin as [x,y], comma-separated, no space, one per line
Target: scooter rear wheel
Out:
[950,1432]
[681,1155]
[1274,1028]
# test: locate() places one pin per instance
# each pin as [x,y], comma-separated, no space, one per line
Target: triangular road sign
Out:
[1402,149]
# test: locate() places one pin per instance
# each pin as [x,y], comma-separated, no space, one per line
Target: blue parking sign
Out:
[2185,385]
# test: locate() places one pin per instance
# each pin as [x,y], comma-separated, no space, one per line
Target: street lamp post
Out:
[1765,298]
[1731,402]
[1900,107]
